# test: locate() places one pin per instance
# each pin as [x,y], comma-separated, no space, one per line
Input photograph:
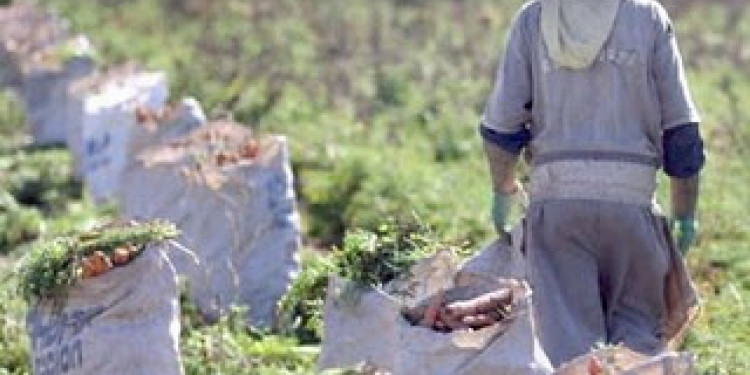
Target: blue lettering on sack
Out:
[97,146]
[58,348]
[279,203]
[60,359]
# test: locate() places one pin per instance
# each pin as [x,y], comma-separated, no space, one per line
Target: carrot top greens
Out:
[51,266]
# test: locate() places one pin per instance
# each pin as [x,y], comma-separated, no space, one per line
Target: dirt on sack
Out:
[204,154]
[99,80]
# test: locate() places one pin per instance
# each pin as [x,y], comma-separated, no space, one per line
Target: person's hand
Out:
[501,203]
[684,230]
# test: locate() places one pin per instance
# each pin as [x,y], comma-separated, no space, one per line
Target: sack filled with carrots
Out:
[446,317]
[231,192]
[110,287]
[461,308]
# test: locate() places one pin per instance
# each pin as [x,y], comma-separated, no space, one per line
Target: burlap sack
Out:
[239,218]
[123,322]
[369,327]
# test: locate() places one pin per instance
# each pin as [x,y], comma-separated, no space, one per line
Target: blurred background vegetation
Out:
[381,102]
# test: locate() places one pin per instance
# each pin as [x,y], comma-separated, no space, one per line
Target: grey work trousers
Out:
[597,270]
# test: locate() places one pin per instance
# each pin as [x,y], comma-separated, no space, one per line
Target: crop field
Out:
[380,101]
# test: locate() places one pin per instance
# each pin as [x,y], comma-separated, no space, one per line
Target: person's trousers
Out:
[597,271]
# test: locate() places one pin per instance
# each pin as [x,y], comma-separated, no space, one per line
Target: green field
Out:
[380,101]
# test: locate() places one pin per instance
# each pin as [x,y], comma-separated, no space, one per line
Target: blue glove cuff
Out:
[685,229]
[501,204]
[687,223]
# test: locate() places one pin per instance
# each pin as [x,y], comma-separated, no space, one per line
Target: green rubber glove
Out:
[684,230]
[501,204]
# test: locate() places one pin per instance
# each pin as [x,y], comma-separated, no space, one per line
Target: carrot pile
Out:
[99,262]
[248,150]
[151,118]
[216,144]
[475,313]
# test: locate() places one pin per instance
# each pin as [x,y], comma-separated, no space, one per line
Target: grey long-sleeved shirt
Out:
[616,111]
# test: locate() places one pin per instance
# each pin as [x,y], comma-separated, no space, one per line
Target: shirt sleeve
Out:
[675,103]
[509,106]
[683,151]
[510,142]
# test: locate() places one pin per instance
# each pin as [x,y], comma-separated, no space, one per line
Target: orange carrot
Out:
[451,321]
[431,313]
[120,256]
[482,304]
[479,320]
[250,150]
[95,264]
[595,366]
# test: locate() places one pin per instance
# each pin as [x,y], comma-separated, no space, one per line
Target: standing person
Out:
[595,91]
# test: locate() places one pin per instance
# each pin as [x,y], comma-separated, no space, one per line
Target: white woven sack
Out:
[44,97]
[622,361]
[498,259]
[369,328]
[107,125]
[186,116]
[245,230]
[123,322]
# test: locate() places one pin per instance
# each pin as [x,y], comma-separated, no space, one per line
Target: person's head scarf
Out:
[575,31]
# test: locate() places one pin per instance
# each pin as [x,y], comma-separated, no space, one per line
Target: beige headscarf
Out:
[574,31]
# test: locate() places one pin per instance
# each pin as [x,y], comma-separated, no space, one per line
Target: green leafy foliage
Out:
[20,224]
[230,347]
[300,311]
[368,258]
[52,266]
[11,118]
[40,178]
[362,188]
[14,343]
[375,258]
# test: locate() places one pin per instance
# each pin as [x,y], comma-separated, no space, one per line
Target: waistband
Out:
[606,180]
[615,156]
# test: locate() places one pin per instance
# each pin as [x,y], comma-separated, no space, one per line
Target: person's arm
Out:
[684,196]
[683,159]
[682,144]
[508,110]
[502,151]
[502,165]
